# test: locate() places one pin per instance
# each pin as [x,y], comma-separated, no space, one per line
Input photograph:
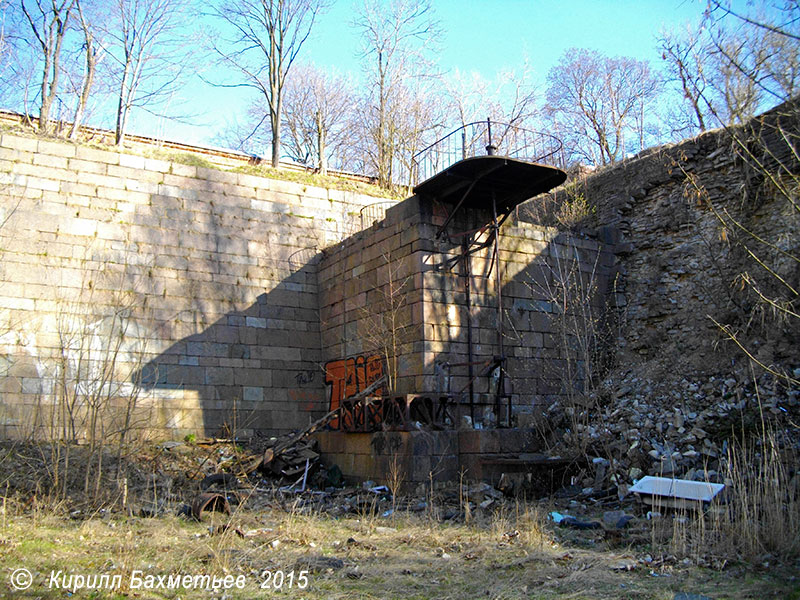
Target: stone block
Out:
[19,143]
[132,161]
[345,462]
[153,164]
[421,469]
[358,443]
[183,170]
[100,180]
[78,227]
[253,394]
[219,376]
[445,468]
[94,155]
[39,183]
[48,160]
[63,149]
[364,466]
[469,441]
[490,440]
[256,322]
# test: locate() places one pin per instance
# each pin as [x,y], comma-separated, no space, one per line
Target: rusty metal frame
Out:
[399,412]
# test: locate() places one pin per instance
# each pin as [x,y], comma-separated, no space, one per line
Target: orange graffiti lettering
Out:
[346,377]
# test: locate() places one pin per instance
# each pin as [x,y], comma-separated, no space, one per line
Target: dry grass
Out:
[758,519]
[508,554]
[325,181]
[198,159]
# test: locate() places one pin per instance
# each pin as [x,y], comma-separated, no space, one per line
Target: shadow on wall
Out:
[261,368]
[255,369]
[557,316]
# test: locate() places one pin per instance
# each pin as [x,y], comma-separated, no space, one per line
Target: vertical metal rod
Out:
[491,149]
[467,275]
[497,276]
[499,284]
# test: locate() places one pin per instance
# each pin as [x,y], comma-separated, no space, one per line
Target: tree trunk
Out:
[44,109]
[323,163]
[383,175]
[275,117]
[86,90]
[275,108]
[88,81]
[122,108]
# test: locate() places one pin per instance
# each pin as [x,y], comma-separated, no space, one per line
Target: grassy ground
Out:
[199,159]
[507,554]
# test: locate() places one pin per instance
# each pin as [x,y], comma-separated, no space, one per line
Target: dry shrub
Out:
[757,519]
[575,212]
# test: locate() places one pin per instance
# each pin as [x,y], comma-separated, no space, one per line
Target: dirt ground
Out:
[459,541]
[291,551]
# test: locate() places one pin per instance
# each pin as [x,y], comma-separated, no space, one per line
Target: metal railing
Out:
[372,213]
[479,139]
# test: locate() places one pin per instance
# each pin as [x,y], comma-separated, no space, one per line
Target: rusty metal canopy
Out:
[472,182]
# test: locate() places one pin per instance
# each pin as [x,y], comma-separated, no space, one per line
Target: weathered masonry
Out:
[186,293]
[191,300]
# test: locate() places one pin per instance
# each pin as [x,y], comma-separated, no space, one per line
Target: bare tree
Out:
[733,65]
[600,103]
[737,89]
[48,22]
[267,38]
[317,108]
[510,97]
[91,53]
[397,40]
[147,40]
[685,54]
[467,93]
[4,46]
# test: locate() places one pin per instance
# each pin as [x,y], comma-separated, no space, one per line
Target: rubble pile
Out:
[678,427]
[286,457]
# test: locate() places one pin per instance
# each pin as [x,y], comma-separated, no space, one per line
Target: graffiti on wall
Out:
[348,376]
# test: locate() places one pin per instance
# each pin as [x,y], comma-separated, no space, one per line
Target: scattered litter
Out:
[568,521]
[625,565]
[676,493]
[616,518]
[253,532]
[385,530]
[209,501]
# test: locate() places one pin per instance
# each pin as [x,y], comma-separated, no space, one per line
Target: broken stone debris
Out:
[673,427]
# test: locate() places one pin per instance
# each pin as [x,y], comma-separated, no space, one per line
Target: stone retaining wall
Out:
[198,284]
[392,299]
[682,267]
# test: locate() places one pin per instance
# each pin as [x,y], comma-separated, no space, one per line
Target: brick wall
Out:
[430,307]
[198,284]
[220,300]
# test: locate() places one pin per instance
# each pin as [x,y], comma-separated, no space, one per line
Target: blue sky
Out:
[479,35]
